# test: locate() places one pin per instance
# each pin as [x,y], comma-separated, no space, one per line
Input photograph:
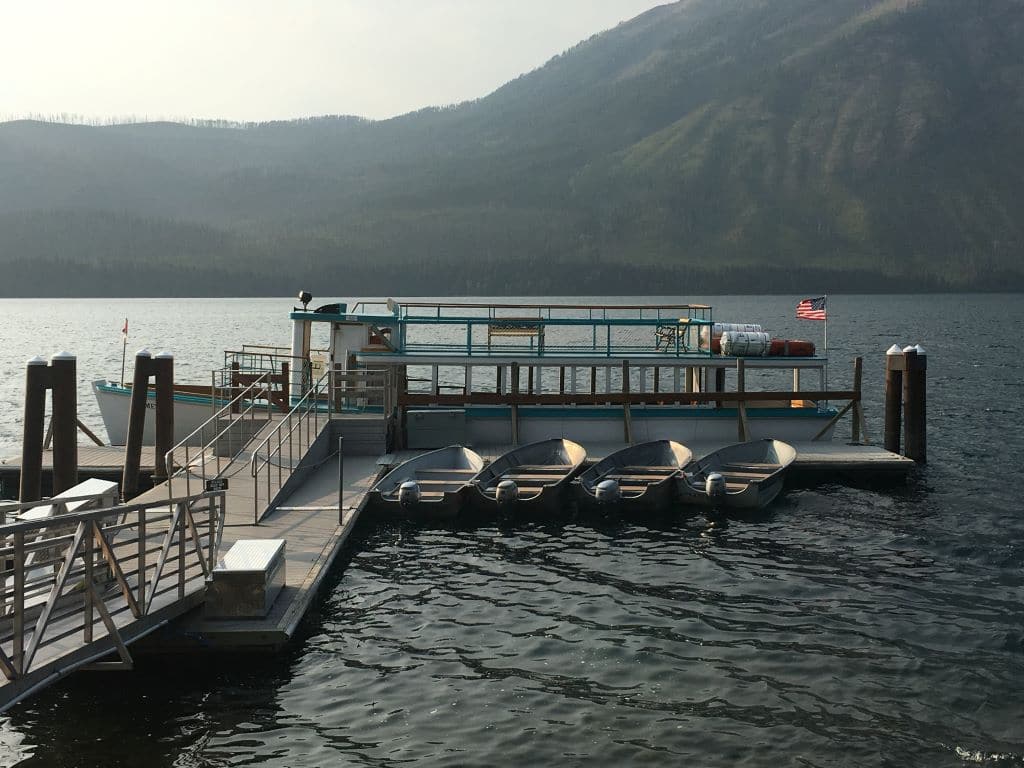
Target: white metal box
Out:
[246,580]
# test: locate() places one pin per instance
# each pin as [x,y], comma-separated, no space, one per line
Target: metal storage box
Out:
[435,428]
[246,580]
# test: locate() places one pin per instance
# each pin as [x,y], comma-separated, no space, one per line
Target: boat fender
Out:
[607,492]
[409,493]
[714,486]
[506,492]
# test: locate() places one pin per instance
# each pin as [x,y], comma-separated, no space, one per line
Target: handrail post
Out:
[87,593]
[211,516]
[141,550]
[341,479]
[858,369]
[182,513]
[18,620]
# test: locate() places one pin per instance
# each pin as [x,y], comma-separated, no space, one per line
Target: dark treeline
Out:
[720,146]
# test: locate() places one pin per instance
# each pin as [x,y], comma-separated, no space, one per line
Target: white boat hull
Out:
[190,412]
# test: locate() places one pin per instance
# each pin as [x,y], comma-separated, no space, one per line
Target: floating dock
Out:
[264,494]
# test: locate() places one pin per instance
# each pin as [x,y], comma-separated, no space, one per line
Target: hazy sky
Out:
[268,59]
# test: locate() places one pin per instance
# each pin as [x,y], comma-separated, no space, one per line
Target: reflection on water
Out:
[844,626]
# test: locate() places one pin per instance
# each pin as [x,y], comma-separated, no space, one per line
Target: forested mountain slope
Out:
[705,146]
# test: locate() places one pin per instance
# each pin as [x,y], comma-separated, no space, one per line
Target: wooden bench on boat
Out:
[517,326]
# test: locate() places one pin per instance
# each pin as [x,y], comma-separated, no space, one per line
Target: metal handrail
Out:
[260,385]
[308,409]
[295,419]
[146,549]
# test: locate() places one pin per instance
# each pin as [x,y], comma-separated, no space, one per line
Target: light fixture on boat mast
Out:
[305,297]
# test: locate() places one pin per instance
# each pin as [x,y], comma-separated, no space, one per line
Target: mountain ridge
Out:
[724,146]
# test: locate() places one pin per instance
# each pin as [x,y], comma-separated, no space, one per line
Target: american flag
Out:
[811,309]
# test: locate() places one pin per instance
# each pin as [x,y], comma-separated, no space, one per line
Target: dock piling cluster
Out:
[162,368]
[906,401]
[60,377]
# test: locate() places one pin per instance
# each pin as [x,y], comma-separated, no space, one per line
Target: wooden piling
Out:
[37,379]
[915,406]
[893,399]
[136,425]
[743,428]
[515,405]
[627,417]
[163,368]
[63,375]
[858,414]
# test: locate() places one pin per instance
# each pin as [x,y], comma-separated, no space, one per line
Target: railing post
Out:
[18,619]
[236,388]
[341,479]
[141,550]
[211,549]
[182,507]
[87,593]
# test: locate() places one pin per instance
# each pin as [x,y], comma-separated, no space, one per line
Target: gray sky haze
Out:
[278,59]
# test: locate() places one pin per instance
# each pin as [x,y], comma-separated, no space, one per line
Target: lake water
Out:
[844,626]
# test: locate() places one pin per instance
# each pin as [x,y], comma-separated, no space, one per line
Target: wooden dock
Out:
[105,462]
[314,531]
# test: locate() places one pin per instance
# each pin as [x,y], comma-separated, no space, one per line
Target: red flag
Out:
[811,309]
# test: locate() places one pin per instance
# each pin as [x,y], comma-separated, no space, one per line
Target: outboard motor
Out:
[506,492]
[714,487]
[607,492]
[409,493]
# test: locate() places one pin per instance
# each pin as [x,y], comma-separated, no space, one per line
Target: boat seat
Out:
[469,472]
[648,469]
[528,490]
[635,478]
[546,479]
[559,468]
[727,473]
[751,465]
[423,494]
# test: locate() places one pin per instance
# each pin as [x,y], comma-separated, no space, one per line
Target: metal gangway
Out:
[82,578]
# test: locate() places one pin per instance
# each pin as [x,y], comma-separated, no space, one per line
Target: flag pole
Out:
[124,347]
[826,342]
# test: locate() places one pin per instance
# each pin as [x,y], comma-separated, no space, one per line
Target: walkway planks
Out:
[309,522]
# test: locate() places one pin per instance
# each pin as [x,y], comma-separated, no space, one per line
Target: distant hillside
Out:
[705,146]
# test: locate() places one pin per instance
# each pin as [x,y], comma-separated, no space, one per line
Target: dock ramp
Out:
[84,580]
